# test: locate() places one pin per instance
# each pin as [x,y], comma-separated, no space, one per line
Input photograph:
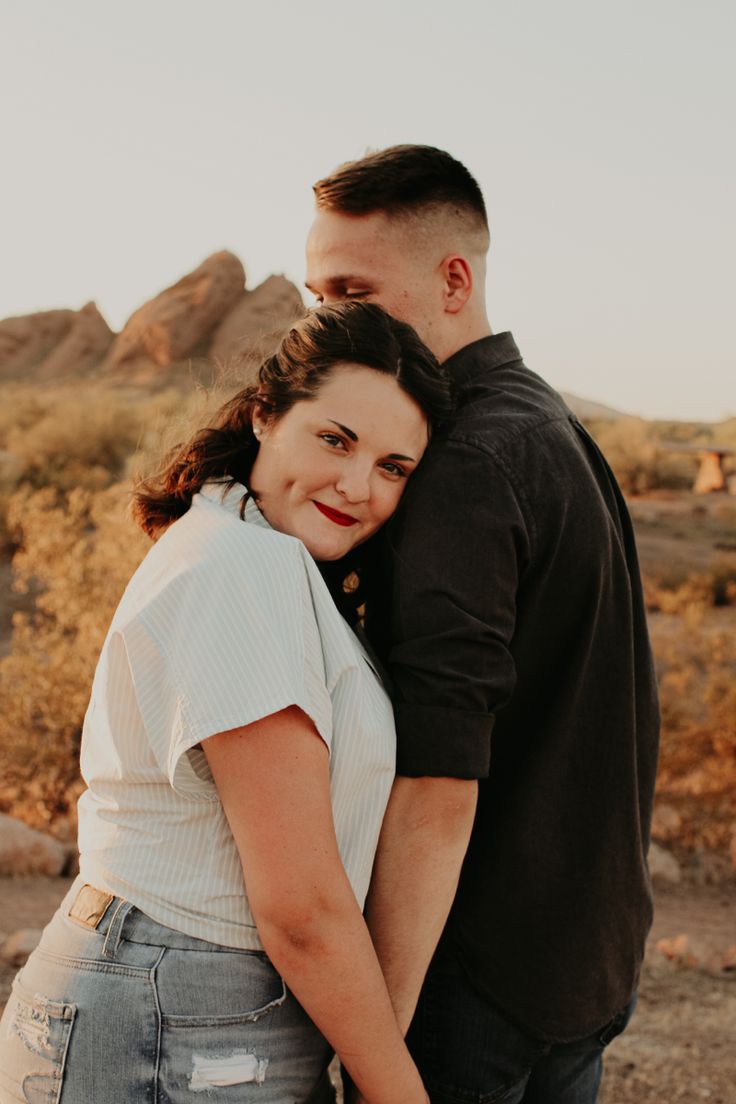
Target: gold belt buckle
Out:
[90,905]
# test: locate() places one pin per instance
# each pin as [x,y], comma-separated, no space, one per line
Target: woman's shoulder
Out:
[210,556]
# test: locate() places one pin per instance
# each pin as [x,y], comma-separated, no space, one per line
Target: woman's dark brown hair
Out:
[352,332]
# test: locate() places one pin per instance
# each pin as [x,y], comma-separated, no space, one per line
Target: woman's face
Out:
[333,468]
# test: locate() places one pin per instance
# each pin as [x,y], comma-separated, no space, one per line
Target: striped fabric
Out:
[223,623]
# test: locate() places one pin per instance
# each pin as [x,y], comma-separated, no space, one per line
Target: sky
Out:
[138,138]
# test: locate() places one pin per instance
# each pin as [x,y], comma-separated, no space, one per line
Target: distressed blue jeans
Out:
[469,1053]
[135,1011]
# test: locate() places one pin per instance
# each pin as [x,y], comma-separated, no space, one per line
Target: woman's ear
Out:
[260,420]
[458,280]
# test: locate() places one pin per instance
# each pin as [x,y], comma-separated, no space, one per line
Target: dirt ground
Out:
[681,1044]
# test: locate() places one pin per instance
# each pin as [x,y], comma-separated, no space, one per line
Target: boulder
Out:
[181,318]
[23,850]
[83,346]
[18,946]
[254,324]
[663,866]
[666,822]
[28,339]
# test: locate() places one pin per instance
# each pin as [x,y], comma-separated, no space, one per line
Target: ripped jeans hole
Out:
[31,1023]
[211,1070]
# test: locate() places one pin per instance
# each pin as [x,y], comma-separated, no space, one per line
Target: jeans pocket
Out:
[34,1040]
[216,989]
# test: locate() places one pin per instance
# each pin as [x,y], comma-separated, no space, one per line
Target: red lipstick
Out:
[335,515]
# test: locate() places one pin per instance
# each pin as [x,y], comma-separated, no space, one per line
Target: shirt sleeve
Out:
[456,549]
[228,641]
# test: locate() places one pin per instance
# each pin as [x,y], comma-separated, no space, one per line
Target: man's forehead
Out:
[343,249]
[334,232]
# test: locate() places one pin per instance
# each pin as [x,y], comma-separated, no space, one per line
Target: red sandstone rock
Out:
[28,339]
[83,346]
[257,320]
[181,318]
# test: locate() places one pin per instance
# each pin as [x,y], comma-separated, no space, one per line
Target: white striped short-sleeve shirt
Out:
[223,623]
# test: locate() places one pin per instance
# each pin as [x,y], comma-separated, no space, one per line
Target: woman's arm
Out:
[273,780]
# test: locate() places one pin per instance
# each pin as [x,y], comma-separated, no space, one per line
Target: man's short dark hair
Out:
[401,180]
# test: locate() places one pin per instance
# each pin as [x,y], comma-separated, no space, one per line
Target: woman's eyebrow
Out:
[354,437]
[348,432]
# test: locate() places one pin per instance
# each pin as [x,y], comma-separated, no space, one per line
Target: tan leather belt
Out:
[90,905]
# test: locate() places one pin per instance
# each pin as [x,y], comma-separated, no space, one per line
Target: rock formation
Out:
[25,341]
[178,321]
[256,321]
[83,347]
[207,314]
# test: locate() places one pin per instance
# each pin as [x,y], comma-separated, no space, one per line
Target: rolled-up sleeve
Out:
[457,550]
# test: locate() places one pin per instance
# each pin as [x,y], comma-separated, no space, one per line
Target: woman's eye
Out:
[356,294]
[332,440]
[395,470]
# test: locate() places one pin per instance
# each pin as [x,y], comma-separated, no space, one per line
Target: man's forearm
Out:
[423,842]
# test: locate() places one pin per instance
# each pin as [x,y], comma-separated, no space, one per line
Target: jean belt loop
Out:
[115,930]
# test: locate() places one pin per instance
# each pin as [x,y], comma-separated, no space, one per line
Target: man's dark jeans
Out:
[469,1053]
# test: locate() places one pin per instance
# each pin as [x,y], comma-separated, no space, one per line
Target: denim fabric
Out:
[469,1053]
[135,1011]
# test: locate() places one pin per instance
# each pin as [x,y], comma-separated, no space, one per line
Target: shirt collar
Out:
[231,499]
[482,356]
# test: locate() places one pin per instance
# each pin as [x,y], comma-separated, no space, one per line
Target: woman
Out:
[238,752]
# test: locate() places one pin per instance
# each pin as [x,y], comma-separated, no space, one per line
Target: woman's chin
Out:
[327,551]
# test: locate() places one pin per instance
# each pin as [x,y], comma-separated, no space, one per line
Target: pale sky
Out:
[140,137]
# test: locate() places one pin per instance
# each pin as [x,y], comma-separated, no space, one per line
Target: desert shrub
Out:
[676,589]
[77,549]
[696,664]
[76,444]
[57,438]
[639,460]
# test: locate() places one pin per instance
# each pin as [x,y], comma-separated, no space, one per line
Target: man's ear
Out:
[458,280]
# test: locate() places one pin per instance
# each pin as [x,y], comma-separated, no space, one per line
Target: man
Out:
[513,854]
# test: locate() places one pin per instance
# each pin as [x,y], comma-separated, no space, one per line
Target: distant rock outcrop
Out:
[257,320]
[83,346]
[208,314]
[26,340]
[180,319]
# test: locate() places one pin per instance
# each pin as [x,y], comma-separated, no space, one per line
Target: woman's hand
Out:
[273,779]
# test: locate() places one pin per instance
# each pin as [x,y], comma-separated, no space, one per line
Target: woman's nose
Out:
[354,483]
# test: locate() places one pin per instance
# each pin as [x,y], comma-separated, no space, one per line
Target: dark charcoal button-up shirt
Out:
[517,643]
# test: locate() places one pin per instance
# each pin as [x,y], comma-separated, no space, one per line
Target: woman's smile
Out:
[335,515]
